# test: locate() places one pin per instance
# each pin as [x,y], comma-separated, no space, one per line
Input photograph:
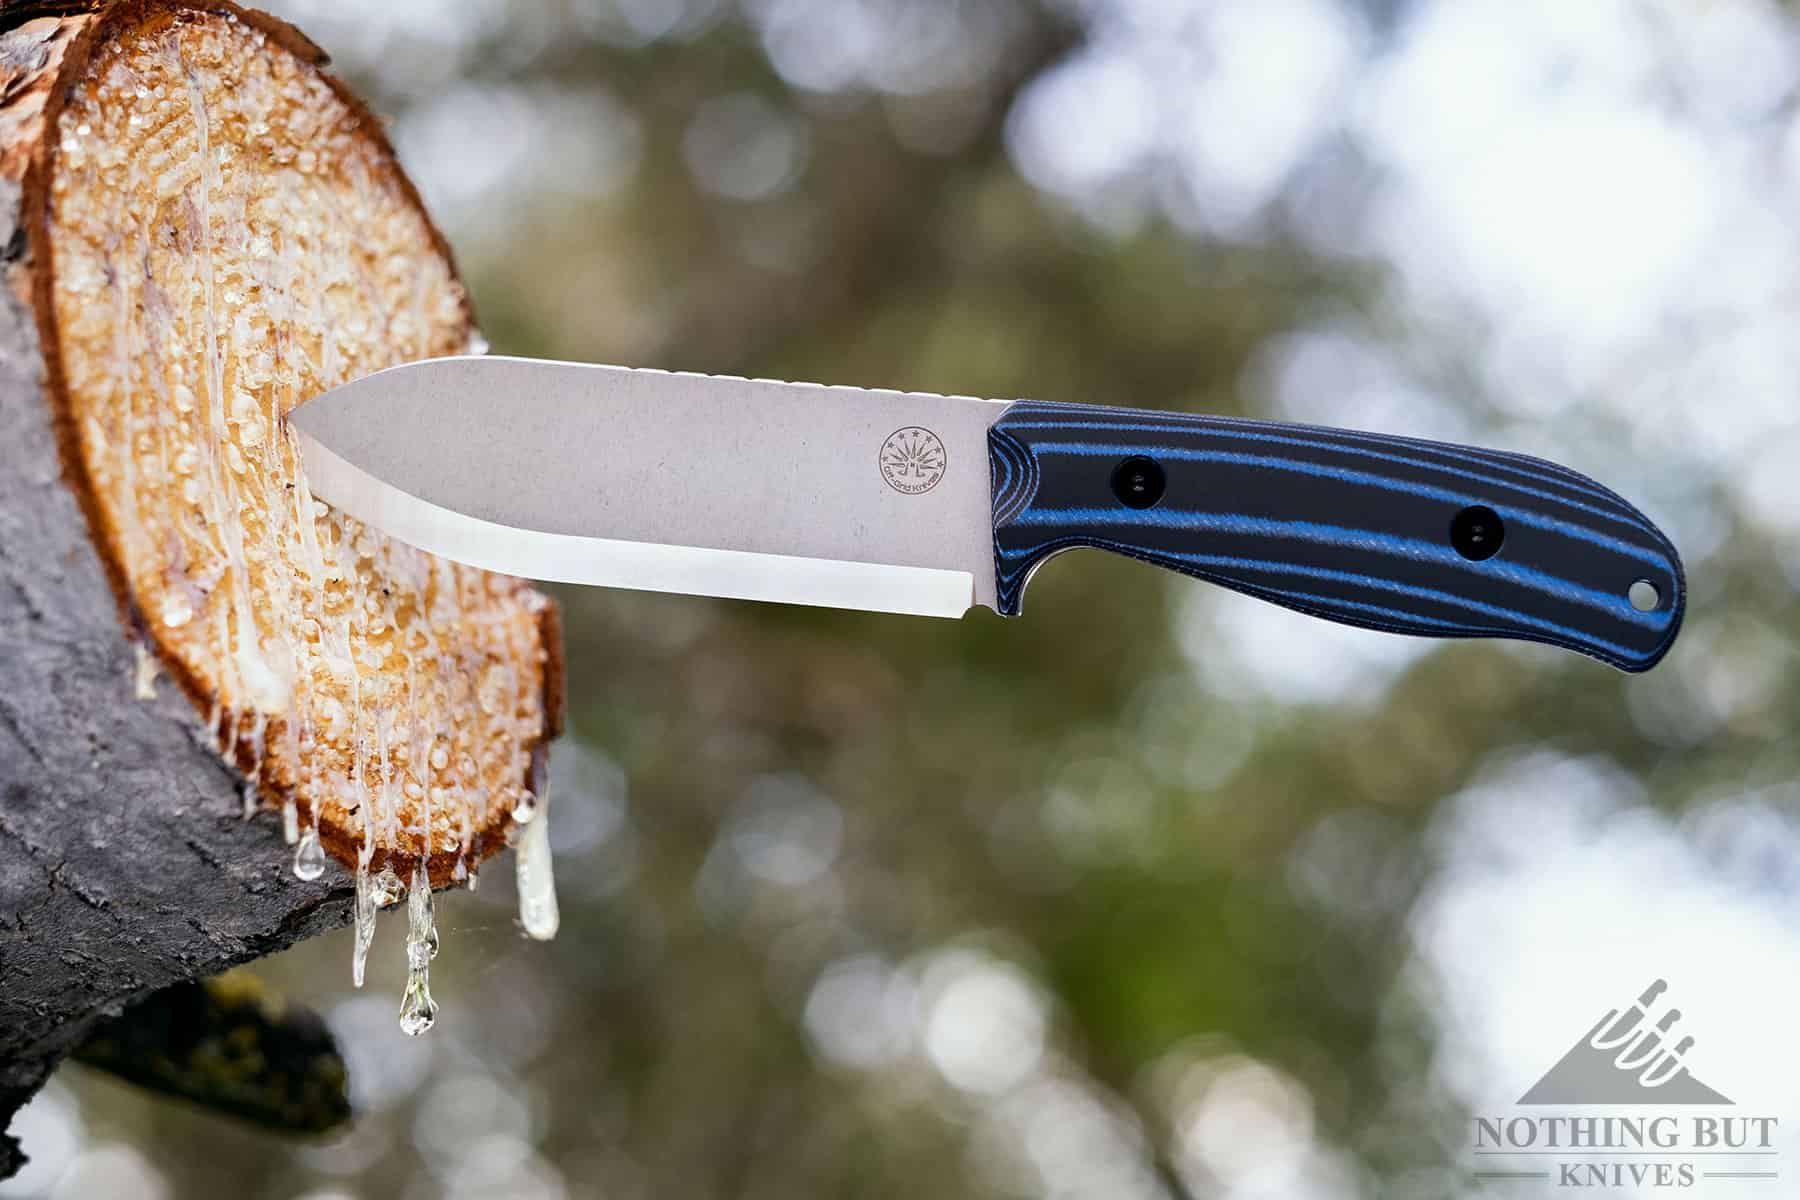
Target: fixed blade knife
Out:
[909,502]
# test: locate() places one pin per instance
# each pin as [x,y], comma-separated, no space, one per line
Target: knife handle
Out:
[1385,532]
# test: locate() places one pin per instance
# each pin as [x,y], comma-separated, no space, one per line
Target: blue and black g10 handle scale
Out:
[1390,533]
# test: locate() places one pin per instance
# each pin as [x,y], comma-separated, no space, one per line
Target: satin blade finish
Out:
[665,481]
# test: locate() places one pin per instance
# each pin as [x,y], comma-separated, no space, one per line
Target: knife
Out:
[907,502]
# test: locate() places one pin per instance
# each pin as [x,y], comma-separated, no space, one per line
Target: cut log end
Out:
[215,232]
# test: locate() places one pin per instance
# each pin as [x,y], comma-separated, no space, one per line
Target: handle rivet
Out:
[1644,595]
[1477,532]
[1138,482]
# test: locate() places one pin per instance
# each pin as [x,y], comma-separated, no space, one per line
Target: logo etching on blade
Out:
[913,460]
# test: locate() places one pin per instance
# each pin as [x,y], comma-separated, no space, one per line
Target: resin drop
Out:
[537,885]
[145,678]
[365,924]
[385,889]
[309,856]
[177,610]
[417,1009]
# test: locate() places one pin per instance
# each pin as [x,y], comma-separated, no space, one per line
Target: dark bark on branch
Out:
[125,862]
[229,1045]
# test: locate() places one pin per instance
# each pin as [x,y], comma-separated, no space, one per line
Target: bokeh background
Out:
[1158,891]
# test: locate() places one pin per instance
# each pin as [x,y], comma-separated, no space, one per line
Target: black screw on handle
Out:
[1477,532]
[1138,482]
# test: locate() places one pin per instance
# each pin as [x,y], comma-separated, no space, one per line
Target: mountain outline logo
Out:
[1626,1058]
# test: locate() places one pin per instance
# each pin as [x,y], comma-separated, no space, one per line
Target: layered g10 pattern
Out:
[1350,526]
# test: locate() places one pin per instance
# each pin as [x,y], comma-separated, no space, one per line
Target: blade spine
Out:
[687,374]
[446,359]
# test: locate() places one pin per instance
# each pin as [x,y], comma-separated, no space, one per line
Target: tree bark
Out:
[126,861]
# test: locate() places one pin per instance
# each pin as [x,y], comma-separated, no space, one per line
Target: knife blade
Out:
[910,502]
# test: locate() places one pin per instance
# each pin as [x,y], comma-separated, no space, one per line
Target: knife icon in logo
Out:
[1626,1059]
